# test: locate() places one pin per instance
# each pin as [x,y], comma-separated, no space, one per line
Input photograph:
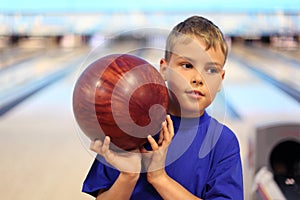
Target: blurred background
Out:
[45,44]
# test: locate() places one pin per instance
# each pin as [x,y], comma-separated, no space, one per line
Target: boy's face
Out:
[194,76]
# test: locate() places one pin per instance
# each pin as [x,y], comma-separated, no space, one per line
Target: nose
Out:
[197,79]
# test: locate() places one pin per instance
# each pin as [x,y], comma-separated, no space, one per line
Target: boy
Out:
[195,157]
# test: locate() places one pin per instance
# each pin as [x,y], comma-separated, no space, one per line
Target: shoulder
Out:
[219,138]
[226,134]
[228,138]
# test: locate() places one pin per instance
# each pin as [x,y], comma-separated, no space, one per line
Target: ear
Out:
[163,68]
[222,76]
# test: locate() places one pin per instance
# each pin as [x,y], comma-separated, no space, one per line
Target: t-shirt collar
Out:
[189,122]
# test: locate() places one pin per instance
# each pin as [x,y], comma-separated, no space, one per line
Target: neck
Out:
[175,110]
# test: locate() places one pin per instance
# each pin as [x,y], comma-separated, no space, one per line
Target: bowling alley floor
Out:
[42,156]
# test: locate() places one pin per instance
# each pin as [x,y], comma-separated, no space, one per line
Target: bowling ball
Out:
[121,96]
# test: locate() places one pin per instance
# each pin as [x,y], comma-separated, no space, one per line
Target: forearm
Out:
[169,189]
[121,189]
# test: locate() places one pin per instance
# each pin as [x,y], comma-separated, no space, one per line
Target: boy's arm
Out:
[129,165]
[122,187]
[168,188]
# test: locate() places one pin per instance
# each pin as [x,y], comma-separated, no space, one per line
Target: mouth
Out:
[195,94]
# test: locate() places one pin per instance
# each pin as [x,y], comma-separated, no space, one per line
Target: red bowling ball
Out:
[121,96]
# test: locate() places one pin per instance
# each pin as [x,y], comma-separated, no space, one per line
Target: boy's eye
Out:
[212,70]
[187,65]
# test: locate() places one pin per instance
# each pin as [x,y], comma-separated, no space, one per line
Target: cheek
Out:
[175,80]
[213,87]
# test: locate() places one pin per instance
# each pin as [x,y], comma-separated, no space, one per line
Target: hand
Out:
[128,162]
[154,160]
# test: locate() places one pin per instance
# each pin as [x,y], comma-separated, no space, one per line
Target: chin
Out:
[192,113]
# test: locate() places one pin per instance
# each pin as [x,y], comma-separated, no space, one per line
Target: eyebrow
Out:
[186,58]
[214,63]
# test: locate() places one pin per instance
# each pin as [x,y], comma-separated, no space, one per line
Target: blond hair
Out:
[199,28]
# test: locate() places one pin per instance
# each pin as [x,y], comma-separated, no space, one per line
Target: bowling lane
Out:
[11,56]
[42,153]
[251,96]
[23,79]
[23,50]
[279,70]
[290,53]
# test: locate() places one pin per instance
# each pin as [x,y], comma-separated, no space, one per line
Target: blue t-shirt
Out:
[204,157]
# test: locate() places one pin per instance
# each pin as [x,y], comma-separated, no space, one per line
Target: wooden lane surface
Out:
[41,154]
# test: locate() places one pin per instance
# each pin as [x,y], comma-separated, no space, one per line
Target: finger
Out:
[92,145]
[96,146]
[161,135]
[105,146]
[161,138]
[170,126]
[166,132]
[152,142]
